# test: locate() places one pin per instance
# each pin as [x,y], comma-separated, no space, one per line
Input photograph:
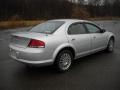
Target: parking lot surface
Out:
[100,71]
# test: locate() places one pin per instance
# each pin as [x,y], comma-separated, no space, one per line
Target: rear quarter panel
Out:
[57,42]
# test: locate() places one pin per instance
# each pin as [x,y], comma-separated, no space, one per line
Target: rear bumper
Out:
[40,63]
[30,56]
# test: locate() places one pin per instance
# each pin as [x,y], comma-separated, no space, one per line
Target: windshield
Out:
[47,27]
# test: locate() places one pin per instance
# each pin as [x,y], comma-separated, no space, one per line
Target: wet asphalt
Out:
[100,71]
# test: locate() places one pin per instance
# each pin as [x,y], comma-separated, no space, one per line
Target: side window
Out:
[77,28]
[92,28]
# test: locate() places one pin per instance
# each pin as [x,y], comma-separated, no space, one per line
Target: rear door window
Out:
[77,28]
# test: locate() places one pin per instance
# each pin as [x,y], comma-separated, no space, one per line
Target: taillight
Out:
[36,44]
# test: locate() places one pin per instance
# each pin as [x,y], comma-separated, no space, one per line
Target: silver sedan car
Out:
[59,42]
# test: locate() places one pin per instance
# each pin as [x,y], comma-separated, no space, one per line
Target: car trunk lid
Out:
[22,39]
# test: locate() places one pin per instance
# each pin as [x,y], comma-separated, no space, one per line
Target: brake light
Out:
[36,44]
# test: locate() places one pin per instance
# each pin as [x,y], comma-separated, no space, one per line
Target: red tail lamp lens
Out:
[36,44]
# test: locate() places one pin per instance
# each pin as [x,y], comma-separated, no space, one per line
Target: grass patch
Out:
[26,23]
[104,18]
[16,24]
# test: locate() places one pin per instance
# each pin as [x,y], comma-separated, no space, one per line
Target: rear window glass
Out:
[47,27]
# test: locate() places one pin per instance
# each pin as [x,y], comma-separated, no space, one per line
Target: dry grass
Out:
[105,18]
[26,23]
[16,24]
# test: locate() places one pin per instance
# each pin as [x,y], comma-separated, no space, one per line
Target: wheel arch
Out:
[64,47]
[112,37]
[109,36]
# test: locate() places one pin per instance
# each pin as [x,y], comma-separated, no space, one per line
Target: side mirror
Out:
[103,30]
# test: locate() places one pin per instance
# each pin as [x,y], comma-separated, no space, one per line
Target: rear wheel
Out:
[110,47]
[64,60]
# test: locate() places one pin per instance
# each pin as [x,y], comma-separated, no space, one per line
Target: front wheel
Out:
[64,60]
[110,47]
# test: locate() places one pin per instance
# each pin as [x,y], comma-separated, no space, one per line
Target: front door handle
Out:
[73,39]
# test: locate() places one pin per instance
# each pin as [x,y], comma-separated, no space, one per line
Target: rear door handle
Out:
[94,37]
[73,39]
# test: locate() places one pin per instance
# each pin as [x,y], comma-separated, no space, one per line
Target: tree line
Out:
[51,9]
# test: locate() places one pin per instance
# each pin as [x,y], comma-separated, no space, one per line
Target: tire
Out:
[110,46]
[64,60]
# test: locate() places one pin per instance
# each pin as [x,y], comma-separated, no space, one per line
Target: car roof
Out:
[71,20]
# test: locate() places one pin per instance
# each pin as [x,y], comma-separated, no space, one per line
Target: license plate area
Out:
[13,53]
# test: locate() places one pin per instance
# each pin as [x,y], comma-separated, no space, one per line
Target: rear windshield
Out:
[47,27]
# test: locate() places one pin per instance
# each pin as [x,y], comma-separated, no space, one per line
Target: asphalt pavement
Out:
[100,71]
